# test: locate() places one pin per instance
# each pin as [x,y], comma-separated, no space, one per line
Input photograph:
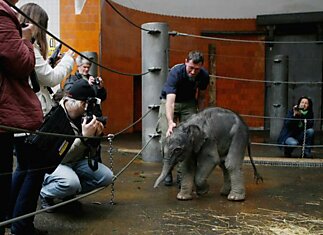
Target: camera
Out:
[298,108]
[23,25]
[96,81]
[55,56]
[93,107]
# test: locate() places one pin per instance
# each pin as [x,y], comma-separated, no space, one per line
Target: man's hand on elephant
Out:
[171,126]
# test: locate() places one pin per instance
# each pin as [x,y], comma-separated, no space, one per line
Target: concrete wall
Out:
[228,9]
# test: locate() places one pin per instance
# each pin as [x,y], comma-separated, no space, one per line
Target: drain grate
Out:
[286,163]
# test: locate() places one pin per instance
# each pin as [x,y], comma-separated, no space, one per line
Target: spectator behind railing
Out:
[292,133]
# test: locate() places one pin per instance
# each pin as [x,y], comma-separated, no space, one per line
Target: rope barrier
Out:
[241,56]
[111,136]
[304,138]
[123,130]
[129,21]
[108,137]
[263,81]
[80,196]
[174,33]
[69,47]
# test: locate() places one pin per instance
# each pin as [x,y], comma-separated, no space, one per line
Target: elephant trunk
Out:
[166,169]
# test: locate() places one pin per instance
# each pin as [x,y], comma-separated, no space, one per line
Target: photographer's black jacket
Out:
[101,93]
[294,126]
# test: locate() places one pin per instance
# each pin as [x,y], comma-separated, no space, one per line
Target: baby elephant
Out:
[215,136]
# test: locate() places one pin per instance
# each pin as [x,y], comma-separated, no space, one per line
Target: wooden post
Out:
[212,71]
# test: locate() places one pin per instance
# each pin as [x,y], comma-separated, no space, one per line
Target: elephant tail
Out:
[257,176]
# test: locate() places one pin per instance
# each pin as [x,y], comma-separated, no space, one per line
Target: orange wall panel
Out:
[82,32]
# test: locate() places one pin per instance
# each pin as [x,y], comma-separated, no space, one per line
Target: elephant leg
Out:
[233,164]
[237,192]
[206,164]
[188,168]
[226,187]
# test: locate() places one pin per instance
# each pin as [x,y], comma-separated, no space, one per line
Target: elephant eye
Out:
[177,150]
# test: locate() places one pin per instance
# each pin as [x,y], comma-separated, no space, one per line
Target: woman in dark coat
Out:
[292,133]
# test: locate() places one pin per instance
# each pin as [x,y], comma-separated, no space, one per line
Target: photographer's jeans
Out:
[291,141]
[71,179]
[26,184]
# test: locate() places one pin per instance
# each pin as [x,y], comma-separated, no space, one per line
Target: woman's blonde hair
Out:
[39,15]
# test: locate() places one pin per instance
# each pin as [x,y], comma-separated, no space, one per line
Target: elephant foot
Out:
[184,197]
[236,197]
[202,190]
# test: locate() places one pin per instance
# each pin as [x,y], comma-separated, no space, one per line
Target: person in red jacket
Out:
[19,105]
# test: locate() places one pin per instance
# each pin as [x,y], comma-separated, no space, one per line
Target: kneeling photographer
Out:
[294,128]
[75,174]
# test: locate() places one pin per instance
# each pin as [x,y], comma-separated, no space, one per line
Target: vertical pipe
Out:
[155,44]
[279,95]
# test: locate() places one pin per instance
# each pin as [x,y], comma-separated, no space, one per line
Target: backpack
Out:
[53,148]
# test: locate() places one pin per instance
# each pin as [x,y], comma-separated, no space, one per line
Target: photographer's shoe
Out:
[168,180]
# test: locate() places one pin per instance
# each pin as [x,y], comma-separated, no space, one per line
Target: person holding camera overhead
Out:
[83,69]
[292,133]
[48,77]
[75,174]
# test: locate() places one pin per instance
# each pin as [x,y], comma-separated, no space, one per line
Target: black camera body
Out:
[96,81]
[297,108]
[54,57]
[23,25]
[93,108]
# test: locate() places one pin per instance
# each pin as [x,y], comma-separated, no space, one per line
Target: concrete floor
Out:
[289,201]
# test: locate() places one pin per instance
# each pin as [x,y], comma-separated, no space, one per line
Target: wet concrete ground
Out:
[289,201]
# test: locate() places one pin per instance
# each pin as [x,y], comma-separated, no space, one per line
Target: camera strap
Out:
[50,90]
[93,152]
[34,81]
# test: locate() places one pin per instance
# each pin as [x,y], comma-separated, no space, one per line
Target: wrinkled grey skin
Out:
[215,136]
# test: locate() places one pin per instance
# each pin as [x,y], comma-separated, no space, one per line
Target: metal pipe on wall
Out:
[155,45]
[279,95]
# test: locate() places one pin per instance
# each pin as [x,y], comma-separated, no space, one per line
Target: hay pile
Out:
[265,222]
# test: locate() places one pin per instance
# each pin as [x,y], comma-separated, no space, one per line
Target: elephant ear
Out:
[197,137]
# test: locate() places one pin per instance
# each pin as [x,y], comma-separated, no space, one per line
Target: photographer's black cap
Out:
[81,90]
